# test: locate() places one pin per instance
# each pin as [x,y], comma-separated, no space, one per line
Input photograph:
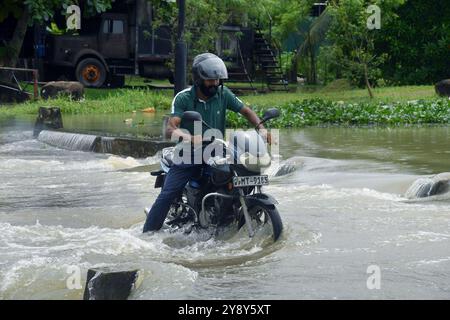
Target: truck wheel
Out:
[91,73]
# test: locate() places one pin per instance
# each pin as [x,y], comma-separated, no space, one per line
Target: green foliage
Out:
[96,6]
[54,29]
[43,10]
[352,41]
[286,60]
[328,66]
[301,33]
[203,19]
[412,45]
[37,11]
[99,101]
[289,18]
[418,43]
[334,104]
[319,112]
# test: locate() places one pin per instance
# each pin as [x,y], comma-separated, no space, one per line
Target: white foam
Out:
[329,192]
[432,262]
[35,258]
[119,163]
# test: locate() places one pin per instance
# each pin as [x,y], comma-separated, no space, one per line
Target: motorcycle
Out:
[228,189]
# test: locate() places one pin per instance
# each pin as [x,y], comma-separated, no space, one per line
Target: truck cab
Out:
[110,46]
[113,36]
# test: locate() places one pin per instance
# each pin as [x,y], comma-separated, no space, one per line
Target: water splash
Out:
[280,167]
[70,141]
[431,186]
[106,145]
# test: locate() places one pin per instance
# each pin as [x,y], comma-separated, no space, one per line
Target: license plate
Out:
[250,181]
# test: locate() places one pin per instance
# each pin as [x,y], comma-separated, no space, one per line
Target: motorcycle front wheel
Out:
[264,217]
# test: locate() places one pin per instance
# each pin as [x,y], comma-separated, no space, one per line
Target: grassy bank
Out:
[98,101]
[307,106]
[387,95]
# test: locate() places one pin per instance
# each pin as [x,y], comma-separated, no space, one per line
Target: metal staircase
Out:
[267,59]
[239,73]
[252,56]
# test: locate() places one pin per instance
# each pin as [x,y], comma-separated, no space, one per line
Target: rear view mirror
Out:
[270,114]
[192,116]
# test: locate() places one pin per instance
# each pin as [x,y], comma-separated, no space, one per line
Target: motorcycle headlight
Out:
[217,161]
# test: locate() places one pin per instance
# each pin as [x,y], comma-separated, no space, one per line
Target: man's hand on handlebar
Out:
[266,135]
[197,140]
[187,138]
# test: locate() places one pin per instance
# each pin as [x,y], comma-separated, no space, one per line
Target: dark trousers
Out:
[175,181]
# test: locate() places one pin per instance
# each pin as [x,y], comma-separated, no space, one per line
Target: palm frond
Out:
[316,34]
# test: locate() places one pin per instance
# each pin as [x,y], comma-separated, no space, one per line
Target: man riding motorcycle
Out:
[211,99]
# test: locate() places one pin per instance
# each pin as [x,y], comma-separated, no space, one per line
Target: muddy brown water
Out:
[343,210]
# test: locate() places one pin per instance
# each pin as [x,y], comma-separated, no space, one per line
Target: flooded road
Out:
[343,209]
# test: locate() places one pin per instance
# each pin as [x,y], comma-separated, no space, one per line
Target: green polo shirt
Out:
[213,110]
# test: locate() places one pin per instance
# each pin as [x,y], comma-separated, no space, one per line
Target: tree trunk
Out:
[313,68]
[366,77]
[15,44]
[294,68]
[312,60]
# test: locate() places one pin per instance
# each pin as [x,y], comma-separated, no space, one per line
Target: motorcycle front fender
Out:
[261,198]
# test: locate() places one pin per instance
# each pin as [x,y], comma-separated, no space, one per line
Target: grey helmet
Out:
[208,66]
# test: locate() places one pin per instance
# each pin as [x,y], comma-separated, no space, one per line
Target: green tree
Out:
[295,24]
[354,42]
[204,17]
[418,54]
[291,25]
[314,37]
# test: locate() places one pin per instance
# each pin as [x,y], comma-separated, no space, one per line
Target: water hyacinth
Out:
[322,112]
